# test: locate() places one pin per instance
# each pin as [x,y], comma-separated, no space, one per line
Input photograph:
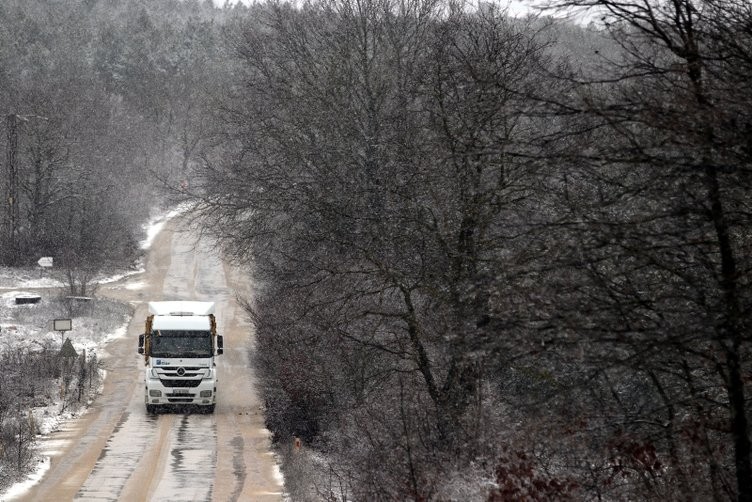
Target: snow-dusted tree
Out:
[659,209]
[382,188]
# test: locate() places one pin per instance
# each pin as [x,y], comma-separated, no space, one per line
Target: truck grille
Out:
[172,371]
[179,383]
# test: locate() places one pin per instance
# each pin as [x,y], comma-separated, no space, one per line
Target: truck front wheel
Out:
[151,409]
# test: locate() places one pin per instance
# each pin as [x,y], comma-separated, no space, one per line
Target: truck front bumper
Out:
[204,394]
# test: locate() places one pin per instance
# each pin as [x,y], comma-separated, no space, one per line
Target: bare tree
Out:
[382,181]
[664,244]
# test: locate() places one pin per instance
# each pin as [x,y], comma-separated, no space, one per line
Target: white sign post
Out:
[62,325]
[45,261]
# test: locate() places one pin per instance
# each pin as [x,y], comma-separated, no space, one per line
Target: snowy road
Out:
[118,452]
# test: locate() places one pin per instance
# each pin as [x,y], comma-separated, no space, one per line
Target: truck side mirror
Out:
[141,344]
[220,344]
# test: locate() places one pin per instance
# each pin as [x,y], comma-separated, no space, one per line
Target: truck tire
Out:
[151,409]
[210,408]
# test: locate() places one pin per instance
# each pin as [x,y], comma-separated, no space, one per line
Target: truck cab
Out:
[179,346]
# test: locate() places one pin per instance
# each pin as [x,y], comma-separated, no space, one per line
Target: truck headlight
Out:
[206,393]
[155,393]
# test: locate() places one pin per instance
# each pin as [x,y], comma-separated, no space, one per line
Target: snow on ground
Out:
[19,489]
[27,278]
[29,327]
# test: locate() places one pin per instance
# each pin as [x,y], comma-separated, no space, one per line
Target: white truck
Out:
[179,346]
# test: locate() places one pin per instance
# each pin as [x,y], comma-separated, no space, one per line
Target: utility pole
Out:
[12,187]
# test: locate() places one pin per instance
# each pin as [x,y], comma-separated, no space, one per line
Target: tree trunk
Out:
[730,338]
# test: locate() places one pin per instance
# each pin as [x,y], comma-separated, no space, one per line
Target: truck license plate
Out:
[180,391]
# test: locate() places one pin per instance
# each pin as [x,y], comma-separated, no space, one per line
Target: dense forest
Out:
[102,106]
[495,258]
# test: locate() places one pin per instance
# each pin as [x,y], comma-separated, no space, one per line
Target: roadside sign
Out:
[45,261]
[62,324]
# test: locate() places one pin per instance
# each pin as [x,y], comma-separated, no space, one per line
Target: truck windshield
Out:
[181,344]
